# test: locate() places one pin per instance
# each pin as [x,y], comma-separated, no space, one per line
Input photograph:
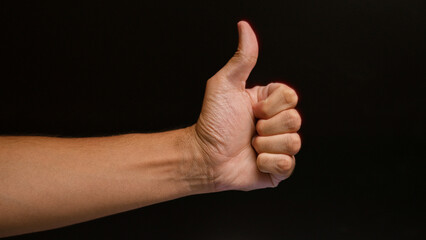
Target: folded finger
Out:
[280,165]
[288,143]
[279,97]
[288,121]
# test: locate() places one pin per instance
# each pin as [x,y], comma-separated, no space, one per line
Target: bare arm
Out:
[244,139]
[51,182]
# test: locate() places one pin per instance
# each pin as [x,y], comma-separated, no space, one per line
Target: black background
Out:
[94,69]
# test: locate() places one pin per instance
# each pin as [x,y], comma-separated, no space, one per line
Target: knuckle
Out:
[291,97]
[294,121]
[285,165]
[290,172]
[283,89]
[245,58]
[294,143]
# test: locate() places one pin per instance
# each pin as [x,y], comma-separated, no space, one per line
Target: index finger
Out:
[280,97]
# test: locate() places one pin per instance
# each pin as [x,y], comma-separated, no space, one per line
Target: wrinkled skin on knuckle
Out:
[294,143]
[294,121]
[290,97]
[285,165]
[245,59]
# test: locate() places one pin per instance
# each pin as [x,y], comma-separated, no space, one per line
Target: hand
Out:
[49,182]
[240,153]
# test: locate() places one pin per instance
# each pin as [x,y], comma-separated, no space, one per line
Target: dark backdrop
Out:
[91,69]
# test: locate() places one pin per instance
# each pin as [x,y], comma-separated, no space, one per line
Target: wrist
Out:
[195,170]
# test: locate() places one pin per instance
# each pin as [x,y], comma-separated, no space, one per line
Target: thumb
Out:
[242,63]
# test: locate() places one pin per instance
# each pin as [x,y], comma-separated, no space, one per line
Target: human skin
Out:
[244,139]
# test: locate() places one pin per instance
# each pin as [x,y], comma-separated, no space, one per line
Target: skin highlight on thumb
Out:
[238,68]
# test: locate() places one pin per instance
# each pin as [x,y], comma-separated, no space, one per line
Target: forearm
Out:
[244,139]
[51,182]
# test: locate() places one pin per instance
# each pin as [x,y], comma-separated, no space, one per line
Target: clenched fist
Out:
[248,137]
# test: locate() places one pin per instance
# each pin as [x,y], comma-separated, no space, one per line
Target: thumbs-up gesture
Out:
[247,136]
